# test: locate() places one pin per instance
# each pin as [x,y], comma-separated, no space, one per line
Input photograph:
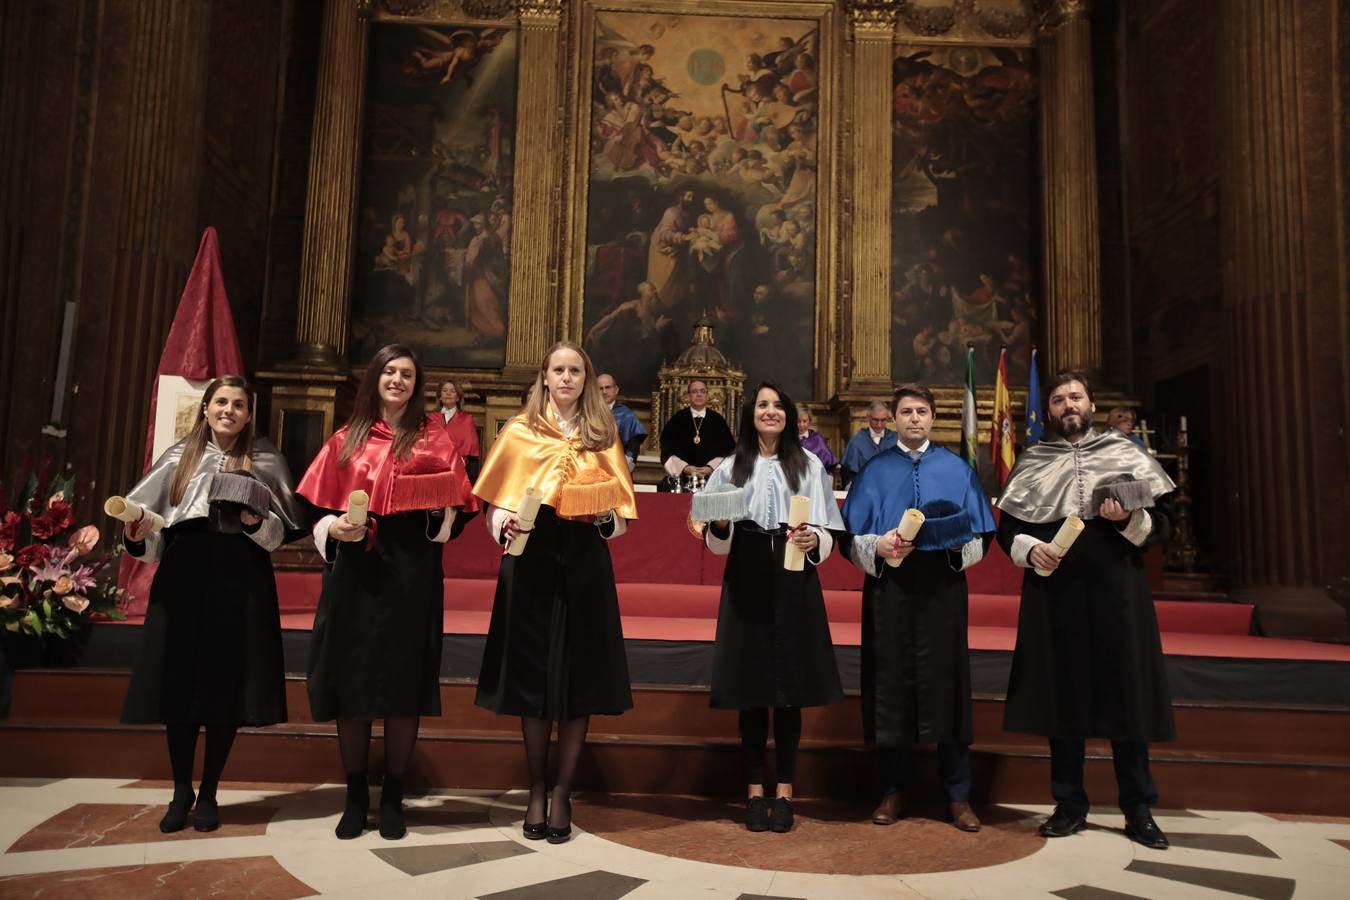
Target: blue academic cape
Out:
[629,426]
[939,484]
[860,449]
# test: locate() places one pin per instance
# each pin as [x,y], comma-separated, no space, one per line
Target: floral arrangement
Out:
[49,583]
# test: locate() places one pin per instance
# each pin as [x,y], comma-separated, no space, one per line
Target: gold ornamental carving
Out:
[540,13]
[873,18]
[1012,22]
[445,10]
[1061,12]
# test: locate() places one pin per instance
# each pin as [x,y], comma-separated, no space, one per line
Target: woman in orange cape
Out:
[555,645]
[376,647]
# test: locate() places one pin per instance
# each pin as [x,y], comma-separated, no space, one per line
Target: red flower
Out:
[33,555]
[9,528]
[55,520]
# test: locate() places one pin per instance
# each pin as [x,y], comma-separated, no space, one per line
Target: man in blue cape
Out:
[916,665]
[868,442]
[631,432]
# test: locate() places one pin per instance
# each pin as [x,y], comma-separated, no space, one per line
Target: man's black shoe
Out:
[1063,823]
[1142,829]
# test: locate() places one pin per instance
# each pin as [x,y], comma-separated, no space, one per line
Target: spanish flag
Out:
[1001,431]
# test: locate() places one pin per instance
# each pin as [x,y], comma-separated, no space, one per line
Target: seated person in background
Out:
[1123,419]
[631,432]
[695,439]
[813,440]
[868,442]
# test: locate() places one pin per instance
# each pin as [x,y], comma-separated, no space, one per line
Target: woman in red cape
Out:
[376,648]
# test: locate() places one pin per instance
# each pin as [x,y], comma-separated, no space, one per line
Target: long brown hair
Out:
[240,455]
[596,427]
[791,456]
[367,410]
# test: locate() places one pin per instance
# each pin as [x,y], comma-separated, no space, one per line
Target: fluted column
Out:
[334,179]
[1072,251]
[532,328]
[1284,363]
[134,269]
[873,29]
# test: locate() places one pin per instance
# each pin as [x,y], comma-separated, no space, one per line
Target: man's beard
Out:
[1081,427]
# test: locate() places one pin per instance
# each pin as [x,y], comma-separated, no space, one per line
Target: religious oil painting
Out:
[434,228]
[702,199]
[964,221]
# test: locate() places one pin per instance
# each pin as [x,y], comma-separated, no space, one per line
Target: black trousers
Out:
[896,767]
[1135,782]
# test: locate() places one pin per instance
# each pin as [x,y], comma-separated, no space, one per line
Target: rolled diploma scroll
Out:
[910,523]
[124,510]
[529,508]
[1068,533]
[358,505]
[799,509]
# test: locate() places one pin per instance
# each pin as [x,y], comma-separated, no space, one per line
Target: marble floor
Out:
[99,838]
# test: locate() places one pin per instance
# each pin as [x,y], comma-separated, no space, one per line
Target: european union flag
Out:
[1035,417]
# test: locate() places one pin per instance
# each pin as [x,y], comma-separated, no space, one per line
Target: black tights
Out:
[571,738]
[787,735]
[400,737]
[183,750]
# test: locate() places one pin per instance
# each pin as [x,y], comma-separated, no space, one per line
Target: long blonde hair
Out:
[240,456]
[596,425]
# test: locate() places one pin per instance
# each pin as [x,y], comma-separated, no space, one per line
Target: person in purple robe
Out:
[813,440]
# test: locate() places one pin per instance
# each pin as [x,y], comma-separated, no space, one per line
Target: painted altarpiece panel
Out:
[705,188]
[433,232]
[965,211]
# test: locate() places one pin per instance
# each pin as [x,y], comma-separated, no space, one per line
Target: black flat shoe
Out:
[757,814]
[357,808]
[393,827]
[780,820]
[206,817]
[175,817]
[534,831]
[1143,830]
[1063,823]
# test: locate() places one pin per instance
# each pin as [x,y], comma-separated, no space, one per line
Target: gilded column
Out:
[873,29]
[1072,252]
[532,328]
[334,179]
[1282,312]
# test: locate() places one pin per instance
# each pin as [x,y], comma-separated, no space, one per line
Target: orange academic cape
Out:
[575,481]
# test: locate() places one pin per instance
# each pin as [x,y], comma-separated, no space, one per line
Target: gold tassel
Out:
[589,494]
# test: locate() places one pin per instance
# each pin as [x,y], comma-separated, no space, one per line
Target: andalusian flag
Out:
[1035,418]
[1001,433]
[969,438]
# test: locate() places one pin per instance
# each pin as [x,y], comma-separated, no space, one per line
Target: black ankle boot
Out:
[175,819]
[392,826]
[353,820]
[206,817]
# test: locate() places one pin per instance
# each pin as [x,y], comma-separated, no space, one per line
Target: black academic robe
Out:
[677,438]
[555,642]
[1089,661]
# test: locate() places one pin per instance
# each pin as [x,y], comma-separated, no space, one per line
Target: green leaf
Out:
[46,607]
[14,625]
[33,622]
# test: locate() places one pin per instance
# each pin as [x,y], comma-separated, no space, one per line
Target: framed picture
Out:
[964,208]
[176,403]
[433,232]
[704,186]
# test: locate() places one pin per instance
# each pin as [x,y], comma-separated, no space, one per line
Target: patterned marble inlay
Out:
[257,876]
[102,824]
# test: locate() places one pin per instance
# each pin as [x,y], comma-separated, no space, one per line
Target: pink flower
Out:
[63,586]
[6,602]
[58,497]
[82,578]
[84,539]
[5,561]
[75,603]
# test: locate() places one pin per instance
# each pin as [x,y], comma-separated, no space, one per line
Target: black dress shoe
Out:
[1142,829]
[1063,823]
[175,818]
[757,814]
[534,831]
[780,820]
